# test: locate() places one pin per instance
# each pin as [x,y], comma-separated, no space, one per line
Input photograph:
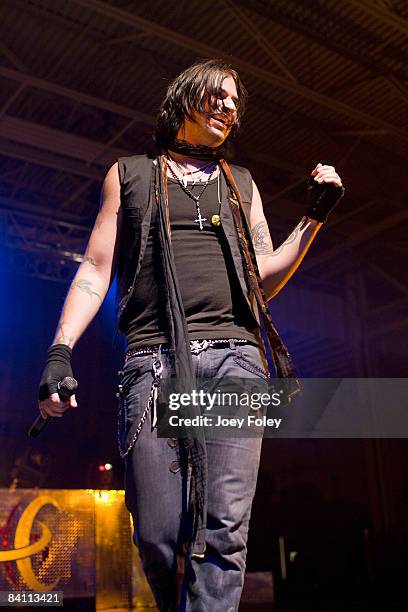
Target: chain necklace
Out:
[191,195]
[187,173]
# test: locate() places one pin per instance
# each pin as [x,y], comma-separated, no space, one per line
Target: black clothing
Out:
[211,295]
[137,176]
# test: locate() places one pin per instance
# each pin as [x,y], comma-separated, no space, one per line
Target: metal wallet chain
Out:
[151,403]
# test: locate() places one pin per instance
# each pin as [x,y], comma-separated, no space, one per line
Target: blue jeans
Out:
[155,484]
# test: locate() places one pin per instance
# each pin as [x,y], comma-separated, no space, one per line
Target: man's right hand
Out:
[57,368]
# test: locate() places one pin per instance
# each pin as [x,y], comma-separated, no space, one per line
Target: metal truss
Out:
[40,246]
[37,265]
[340,33]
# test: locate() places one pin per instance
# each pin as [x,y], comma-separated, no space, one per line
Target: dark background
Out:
[80,84]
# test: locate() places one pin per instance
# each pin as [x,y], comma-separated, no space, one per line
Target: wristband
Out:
[322,198]
[58,366]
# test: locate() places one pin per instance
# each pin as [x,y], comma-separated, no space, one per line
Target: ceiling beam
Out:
[259,39]
[43,194]
[46,159]
[310,26]
[373,132]
[73,216]
[12,57]
[19,89]
[118,40]
[161,32]
[384,16]
[57,141]
[399,87]
[73,94]
[19,65]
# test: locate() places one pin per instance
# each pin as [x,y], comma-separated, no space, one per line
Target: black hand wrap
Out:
[321,199]
[57,368]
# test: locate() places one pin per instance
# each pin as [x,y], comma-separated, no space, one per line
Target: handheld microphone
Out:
[66,387]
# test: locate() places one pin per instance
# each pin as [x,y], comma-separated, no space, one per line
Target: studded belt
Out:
[196,346]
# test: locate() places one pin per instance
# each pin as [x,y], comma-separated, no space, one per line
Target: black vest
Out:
[137,199]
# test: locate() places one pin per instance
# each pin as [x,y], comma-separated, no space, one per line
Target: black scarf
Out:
[194,443]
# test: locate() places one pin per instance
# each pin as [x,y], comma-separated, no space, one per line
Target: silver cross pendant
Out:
[199,219]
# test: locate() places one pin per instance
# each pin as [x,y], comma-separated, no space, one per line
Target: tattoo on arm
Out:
[61,337]
[291,238]
[261,239]
[86,286]
[89,260]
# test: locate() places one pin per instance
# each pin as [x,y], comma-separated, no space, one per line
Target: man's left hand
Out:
[326,174]
[325,190]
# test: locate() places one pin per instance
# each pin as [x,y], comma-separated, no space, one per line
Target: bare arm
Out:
[91,282]
[95,274]
[277,266]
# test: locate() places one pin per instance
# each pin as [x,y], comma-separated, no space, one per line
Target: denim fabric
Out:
[156,484]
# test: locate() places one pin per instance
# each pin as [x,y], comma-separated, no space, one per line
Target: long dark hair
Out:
[190,91]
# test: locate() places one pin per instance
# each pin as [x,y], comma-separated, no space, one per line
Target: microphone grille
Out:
[68,385]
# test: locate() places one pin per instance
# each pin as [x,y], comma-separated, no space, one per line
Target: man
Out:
[188,239]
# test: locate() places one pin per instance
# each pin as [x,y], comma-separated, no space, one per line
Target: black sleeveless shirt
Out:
[212,298]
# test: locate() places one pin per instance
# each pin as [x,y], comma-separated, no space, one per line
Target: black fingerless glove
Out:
[321,199]
[57,368]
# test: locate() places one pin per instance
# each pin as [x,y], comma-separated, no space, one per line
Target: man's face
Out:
[211,130]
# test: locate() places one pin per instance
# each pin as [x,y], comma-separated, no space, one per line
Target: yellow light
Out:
[108,466]
[104,497]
